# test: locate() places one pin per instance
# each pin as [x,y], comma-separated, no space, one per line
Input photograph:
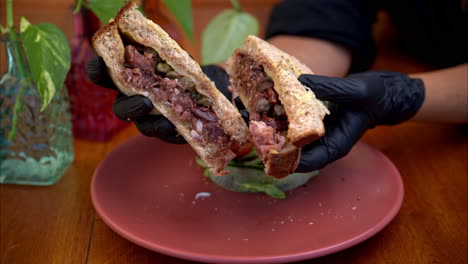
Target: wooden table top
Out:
[58,224]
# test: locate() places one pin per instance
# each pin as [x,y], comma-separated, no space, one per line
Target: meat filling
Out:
[145,69]
[266,138]
[268,121]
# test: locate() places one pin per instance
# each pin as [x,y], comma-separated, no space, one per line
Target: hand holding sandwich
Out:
[137,107]
[358,102]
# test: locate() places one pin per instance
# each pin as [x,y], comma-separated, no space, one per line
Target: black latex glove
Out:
[358,102]
[137,108]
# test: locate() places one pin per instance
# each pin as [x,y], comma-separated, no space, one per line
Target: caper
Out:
[264,85]
[196,96]
[163,67]
[172,75]
[152,52]
[185,83]
[204,101]
[262,105]
[278,110]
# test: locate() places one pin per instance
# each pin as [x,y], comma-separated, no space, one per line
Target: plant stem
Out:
[9,13]
[78,4]
[17,110]
[17,53]
[24,80]
[236,5]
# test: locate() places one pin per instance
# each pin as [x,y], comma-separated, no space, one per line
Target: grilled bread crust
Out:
[304,111]
[132,24]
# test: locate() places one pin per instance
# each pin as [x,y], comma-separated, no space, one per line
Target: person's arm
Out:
[446,95]
[322,56]
[332,37]
[446,90]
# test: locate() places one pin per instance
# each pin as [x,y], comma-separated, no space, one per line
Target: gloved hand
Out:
[137,108]
[357,103]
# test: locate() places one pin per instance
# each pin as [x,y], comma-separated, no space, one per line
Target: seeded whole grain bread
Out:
[304,111]
[130,22]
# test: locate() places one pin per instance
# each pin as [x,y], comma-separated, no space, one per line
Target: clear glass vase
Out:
[36,147]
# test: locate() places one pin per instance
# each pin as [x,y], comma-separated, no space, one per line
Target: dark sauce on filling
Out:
[146,70]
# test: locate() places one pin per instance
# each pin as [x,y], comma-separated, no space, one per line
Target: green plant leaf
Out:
[48,54]
[105,9]
[182,11]
[3,29]
[225,33]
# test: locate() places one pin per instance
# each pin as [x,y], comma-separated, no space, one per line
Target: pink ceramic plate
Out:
[145,191]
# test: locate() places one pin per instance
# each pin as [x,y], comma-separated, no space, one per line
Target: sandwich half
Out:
[284,114]
[142,59]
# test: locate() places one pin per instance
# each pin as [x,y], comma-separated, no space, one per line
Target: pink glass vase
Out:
[91,105]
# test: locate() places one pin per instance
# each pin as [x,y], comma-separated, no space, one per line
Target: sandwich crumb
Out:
[202,194]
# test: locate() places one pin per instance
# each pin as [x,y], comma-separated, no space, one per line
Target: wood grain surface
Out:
[58,224]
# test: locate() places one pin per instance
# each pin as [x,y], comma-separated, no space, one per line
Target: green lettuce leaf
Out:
[247,175]
[269,189]
[48,54]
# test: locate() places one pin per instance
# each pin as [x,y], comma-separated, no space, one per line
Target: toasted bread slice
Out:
[109,43]
[304,112]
